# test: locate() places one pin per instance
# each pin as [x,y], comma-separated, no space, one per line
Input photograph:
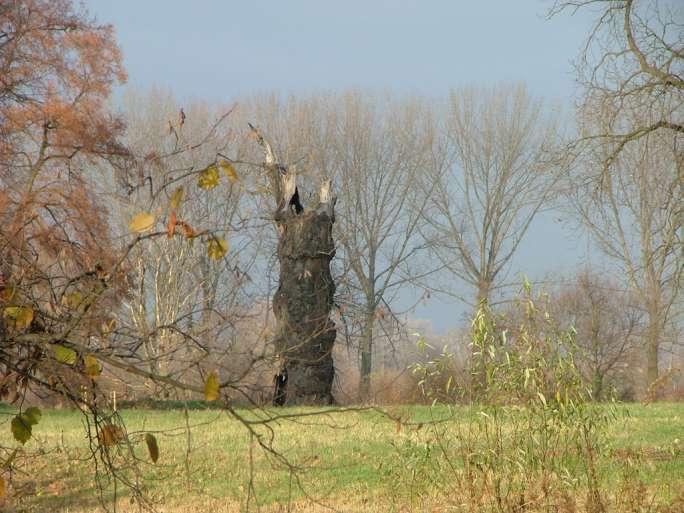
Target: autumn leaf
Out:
[211,387]
[92,367]
[110,435]
[152,447]
[19,316]
[209,178]
[21,427]
[8,293]
[171,228]
[3,489]
[229,170]
[108,326]
[32,415]
[188,231]
[142,222]
[217,248]
[176,198]
[72,300]
[64,354]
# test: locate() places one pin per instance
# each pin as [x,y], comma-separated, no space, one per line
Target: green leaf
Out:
[32,415]
[152,447]
[64,354]
[21,429]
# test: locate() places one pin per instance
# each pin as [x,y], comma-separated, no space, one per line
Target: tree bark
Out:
[305,334]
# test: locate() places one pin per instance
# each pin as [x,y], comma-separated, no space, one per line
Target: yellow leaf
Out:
[152,447]
[209,178]
[217,248]
[19,316]
[92,367]
[229,170]
[176,198]
[8,293]
[110,435]
[211,387]
[142,222]
[3,489]
[72,300]
[64,354]
[108,326]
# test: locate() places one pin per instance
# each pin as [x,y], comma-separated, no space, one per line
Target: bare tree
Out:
[607,320]
[382,149]
[176,283]
[635,216]
[492,175]
[633,61]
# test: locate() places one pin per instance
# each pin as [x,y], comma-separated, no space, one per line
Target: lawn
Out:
[349,459]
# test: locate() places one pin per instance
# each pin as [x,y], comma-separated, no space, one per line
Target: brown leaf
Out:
[188,231]
[110,435]
[152,447]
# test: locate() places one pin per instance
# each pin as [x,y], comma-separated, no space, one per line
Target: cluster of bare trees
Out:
[433,197]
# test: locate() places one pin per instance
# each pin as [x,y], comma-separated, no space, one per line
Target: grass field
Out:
[350,460]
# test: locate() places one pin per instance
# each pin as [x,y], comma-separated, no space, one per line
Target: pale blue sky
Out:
[222,49]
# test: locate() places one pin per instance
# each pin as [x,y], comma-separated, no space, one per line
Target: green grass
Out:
[345,458]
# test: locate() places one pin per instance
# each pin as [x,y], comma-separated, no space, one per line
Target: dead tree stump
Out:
[305,333]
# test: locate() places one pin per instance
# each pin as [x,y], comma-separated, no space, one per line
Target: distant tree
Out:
[607,320]
[492,175]
[634,213]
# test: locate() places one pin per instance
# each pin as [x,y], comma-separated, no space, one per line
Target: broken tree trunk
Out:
[305,334]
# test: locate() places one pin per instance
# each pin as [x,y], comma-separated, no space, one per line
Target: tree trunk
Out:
[305,334]
[366,350]
[653,335]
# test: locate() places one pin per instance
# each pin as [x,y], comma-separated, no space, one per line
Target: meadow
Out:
[365,460]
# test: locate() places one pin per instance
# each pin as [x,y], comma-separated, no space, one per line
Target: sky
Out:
[219,50]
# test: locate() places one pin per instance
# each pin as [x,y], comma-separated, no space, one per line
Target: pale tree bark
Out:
[305,334]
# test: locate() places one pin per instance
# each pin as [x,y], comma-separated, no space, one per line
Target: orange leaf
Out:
[171,228]
[142,222]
